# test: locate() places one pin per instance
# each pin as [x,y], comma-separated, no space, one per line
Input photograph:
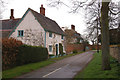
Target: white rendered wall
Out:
[55,39]
[31,28]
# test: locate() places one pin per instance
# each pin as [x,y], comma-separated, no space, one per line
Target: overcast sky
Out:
[61,14]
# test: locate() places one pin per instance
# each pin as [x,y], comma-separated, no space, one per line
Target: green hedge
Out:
[14,53]
[74,51]
[30,54]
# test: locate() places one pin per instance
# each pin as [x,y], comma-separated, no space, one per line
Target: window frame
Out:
[50,48]
[62,37]
[50,34]
[20,33]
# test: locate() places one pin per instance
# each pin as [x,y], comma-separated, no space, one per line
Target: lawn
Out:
[20,70]
[93,70]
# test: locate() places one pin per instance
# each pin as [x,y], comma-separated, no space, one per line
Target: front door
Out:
[56,49]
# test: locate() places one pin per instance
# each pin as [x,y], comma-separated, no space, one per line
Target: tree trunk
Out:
[105,35]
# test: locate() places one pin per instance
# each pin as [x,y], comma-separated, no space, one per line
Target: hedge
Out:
[30,54]
[9,52]
[15,53]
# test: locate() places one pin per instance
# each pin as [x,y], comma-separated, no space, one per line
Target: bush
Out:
[61,49]
[51,56]
[74,51]
[9,52]
[30,54]
[14,53]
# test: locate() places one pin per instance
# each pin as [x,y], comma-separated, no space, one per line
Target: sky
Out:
[60,14]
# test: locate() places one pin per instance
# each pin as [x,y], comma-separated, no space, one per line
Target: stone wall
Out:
[115,51]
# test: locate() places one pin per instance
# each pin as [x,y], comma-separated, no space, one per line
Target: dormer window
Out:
[50,34]
[20,33]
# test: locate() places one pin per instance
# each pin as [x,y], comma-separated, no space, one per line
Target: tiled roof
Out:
[7,26]
[72,33]
[47,23]
[5,34]
[9,23]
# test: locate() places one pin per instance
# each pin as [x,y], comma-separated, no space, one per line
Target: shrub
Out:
[30,54]
[14,53]
[51,56]
[9,52]
[74,51]
[61,49]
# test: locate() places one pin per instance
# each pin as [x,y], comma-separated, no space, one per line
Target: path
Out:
[66,68]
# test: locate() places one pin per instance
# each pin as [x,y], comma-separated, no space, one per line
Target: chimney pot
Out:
[12,14]
[42,10]
[73,27]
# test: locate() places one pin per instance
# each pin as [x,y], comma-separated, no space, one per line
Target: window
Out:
[50,48]
[50,34]
[62,37]
[20,33]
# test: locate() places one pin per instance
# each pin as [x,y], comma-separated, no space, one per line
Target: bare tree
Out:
[114,12]
[2,7]
[93,19]
[94,23]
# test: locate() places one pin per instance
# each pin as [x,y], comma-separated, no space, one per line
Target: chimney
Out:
[12,14]
[73,27]
[42,10]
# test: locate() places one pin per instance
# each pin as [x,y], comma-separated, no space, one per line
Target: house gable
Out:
[30,27]
[34,25]
[47,23]
[21,21]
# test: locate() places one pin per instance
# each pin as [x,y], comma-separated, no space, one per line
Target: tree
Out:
[94,21]
[1,10]
[2,6]
[85,42]
[114,12]
[113,36]
[105,35]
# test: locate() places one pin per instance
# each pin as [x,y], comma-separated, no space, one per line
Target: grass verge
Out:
[93,70]
[20,70]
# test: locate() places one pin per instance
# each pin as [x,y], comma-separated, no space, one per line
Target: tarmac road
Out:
[66,68]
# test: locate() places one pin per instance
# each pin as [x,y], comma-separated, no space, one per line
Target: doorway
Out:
[56,49]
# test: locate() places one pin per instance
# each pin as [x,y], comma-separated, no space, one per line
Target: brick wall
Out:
[94,47]
[71,47]
[80,47]
[115,51]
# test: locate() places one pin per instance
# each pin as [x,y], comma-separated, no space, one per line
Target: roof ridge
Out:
[47,23]
[35,11]
[10,19]
[41,14]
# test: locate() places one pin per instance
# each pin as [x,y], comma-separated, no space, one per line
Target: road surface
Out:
[66,68]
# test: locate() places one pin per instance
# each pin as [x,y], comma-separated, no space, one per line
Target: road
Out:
[66,68]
